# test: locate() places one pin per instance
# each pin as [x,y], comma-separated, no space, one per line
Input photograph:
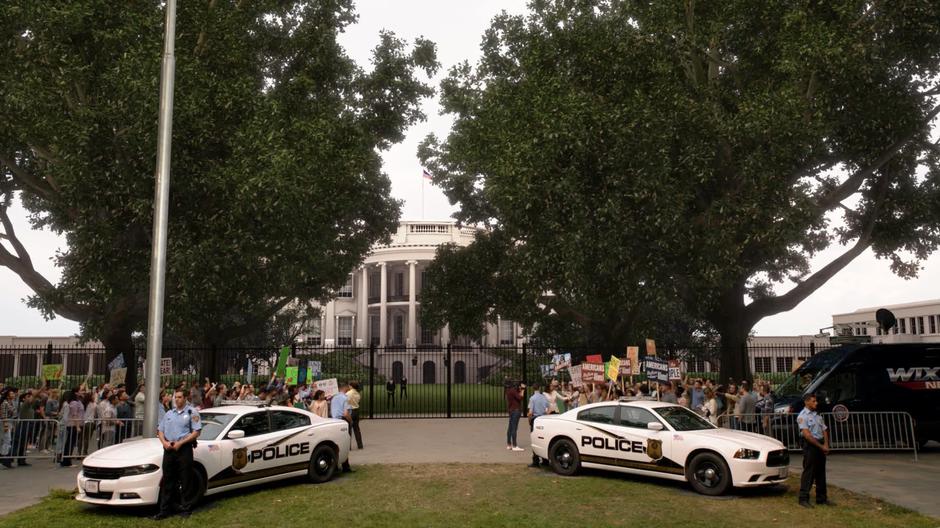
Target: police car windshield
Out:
[213,424]
[682,419]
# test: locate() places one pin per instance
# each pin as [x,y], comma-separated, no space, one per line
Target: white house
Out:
[917,322]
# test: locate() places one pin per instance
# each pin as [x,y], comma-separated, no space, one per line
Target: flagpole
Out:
[422,195]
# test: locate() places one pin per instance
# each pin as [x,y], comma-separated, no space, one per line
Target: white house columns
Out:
[362,331]
[383,306]
[412,302]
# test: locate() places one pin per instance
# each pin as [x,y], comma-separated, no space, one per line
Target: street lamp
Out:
[160,214]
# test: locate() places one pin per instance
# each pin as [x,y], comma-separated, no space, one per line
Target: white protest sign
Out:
[575,372]
[328,386]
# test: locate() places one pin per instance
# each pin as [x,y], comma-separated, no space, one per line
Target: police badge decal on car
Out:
[239,458]
[654,449]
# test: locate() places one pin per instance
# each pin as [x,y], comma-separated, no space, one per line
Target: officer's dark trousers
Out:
[175,492]
[814,470]
[390,400]
[354,427]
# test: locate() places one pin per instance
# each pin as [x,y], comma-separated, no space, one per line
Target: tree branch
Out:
[28,180]
[768,306]
[854,182]
[21,264]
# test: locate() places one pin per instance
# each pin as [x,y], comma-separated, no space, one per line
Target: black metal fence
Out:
[397,381]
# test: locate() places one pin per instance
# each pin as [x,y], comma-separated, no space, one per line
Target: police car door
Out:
[291,443]
[597,437]
[248,452]
[649,449]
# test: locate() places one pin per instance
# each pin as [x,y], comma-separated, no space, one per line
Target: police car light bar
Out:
[251,403]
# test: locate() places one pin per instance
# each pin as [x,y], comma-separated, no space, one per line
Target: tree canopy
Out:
[624,153]
[276,189]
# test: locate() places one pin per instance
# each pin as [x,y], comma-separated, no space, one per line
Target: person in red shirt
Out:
[514,392]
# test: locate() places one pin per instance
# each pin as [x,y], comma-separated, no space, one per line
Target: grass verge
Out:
[483,495]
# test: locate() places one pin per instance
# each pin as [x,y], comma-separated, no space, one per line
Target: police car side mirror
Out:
[654,426]
[235,434]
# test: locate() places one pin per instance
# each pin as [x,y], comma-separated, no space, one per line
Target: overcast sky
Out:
[456,27]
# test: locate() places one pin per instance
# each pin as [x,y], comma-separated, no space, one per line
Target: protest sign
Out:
[675,371]
[117,376]
[561,362]
[613,367]
[626,367]
[650,347]
[575,372]
[290,375]
[166,366]
[656,369]
[633,354]
[282,361]
[328,386]
[796,364]
[546,370]
[596,358]
[117,362]
[249,373]
[314,369]
[52,372]
[592,372]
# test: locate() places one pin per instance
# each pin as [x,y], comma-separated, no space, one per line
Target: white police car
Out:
[239,446]
[661,440]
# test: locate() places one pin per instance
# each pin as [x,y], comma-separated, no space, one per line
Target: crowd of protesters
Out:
[65,424]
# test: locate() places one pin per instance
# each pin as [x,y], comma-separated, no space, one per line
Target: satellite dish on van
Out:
[886,319]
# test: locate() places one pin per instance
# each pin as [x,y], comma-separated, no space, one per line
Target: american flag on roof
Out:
[425,174]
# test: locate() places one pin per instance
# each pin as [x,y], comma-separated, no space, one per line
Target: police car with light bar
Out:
[661,440]
[239,446]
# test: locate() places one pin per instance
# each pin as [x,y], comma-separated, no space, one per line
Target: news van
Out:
[871,377]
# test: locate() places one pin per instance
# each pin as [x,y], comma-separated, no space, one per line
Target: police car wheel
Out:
[197,487]
[564,458]
[709,474]
[322,465]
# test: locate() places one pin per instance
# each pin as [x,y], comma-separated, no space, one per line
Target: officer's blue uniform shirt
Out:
[339,405]
[808,419]
[538,404]
[177,424]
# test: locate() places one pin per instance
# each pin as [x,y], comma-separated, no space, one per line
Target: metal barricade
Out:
[854,431]
[22,440]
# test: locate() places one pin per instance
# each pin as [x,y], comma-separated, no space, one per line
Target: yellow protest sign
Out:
[613,367]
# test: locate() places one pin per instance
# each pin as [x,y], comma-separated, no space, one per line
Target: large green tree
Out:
[277,189]
[704,148]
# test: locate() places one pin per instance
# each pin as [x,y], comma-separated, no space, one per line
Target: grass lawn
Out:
[483,495]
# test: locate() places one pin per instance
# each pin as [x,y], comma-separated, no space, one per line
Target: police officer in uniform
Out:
[815,437]
[178,431]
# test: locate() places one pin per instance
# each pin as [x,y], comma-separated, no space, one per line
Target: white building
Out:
[379,306]
[917,322]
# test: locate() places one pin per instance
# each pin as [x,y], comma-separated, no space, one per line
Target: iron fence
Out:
[397,381]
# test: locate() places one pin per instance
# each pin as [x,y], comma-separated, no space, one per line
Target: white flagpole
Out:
[422,194]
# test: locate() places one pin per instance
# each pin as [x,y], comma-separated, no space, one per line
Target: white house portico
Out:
[379,303]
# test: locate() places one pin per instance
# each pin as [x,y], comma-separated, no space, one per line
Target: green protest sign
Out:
[282,361]
[52,372]
[291,375]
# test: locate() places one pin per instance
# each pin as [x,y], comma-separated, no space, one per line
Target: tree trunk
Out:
[733,358]
[120,341]
[734,327]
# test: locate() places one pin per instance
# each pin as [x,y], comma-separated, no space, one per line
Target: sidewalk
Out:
[894,477]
